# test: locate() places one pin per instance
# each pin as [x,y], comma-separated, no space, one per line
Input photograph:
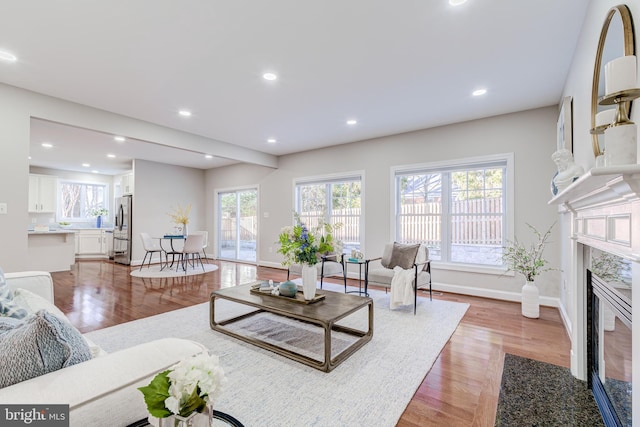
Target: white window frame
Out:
[105,204]
[469,162]
[335,178]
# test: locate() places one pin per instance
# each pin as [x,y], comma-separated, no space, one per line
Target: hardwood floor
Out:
[461,389]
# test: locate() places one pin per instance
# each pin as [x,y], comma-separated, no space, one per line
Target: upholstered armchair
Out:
[328,265]
[414,257]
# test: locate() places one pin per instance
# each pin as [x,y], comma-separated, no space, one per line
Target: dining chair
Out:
[205,241]
[150,246]
[192,247]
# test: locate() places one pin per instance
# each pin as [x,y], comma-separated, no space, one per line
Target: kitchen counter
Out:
[67,231]
[51,250]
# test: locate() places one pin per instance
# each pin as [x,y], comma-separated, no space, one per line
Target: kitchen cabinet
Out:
[126,184]
[91,242]
[43,190]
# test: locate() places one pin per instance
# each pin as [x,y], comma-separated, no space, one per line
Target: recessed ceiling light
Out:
[352,122]
[95,171]
[47,144]
[208,156]
[7,56]
[185,113]
[479,92]
[269,76]
[457,2]
[272,140]
[111,156]
[86,165]
[120,138]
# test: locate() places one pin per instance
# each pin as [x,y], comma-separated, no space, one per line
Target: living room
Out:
[528,136]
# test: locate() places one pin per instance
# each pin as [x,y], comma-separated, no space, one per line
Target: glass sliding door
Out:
[238,225]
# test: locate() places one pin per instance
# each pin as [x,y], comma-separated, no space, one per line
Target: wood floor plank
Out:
[461,389]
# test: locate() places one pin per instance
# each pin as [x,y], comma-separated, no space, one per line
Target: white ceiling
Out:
[395,66]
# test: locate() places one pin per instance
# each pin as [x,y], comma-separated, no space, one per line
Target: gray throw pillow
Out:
[403,256]
[8,308]
[39,344]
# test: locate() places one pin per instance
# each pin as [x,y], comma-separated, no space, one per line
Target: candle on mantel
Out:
[620,74]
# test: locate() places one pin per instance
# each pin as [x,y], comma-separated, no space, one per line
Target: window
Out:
[458,210]
[78,199]
[337,201]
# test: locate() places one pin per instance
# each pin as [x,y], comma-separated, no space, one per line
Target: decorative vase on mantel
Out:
[309,280]
[99,221]
[530,300]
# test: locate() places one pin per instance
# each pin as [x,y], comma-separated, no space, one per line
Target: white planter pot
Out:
[530,300]
[309,280]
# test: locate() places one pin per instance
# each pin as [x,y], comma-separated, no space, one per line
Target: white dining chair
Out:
[192,247]
[150,246]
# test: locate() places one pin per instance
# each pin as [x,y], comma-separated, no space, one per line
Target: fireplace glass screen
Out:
[609,291]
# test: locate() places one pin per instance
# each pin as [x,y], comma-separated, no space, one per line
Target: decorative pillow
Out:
[403,256]
[37,345]
[8,306]
[33,303]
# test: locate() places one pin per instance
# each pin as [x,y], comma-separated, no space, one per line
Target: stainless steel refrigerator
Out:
[122,230]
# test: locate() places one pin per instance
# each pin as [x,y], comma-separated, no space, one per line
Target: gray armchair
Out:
[328,265]
[405,256]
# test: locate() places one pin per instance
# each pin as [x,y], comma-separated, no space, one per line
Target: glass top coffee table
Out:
[324,313]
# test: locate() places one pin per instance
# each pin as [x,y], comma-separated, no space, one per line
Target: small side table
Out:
[360,263]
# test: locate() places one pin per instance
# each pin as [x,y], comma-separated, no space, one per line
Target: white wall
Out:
[531,135]
[158,190]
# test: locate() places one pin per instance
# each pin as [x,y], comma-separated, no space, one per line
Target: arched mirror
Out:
[616,40]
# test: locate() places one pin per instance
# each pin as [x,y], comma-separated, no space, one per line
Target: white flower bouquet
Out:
[185,388]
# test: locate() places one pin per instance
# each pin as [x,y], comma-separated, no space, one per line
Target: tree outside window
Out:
[78,200]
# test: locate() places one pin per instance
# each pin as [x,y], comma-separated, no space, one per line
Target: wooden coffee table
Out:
[324,313]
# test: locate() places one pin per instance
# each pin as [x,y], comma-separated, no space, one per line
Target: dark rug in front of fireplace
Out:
[539,394]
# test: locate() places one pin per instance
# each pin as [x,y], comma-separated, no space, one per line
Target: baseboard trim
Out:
[491,293]
[566,320]
[465,290]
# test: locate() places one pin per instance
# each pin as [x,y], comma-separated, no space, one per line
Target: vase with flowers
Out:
[183,395]
[180,217]
[98,213]
[528,261]
[302,246]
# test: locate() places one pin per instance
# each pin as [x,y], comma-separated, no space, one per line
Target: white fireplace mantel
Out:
[604,203]
[612,184]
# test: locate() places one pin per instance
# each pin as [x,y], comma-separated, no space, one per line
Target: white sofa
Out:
[101,391]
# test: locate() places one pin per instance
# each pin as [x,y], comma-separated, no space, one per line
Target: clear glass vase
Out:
[196,419]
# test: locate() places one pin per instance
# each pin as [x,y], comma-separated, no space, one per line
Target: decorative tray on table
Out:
[299,297]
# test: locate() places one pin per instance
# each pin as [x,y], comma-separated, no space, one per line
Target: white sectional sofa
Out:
[103,390]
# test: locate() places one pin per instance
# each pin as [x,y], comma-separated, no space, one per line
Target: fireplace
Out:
[609,346]
[600,219]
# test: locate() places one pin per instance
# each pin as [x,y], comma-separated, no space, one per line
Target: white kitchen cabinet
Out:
[91,242]
[126,184]
[43,190]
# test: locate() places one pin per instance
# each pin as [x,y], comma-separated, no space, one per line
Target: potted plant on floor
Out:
[529,262]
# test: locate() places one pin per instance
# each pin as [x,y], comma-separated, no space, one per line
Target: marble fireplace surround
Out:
[601,210]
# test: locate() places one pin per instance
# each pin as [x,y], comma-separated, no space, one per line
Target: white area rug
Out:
[154,272]
[370,388]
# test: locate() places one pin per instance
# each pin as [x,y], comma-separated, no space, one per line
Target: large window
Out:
[78,199]
[338,201]
[458,210]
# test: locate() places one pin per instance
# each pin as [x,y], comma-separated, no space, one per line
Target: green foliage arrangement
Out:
[299,245]
[528,261]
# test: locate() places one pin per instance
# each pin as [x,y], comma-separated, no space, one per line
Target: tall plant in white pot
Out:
[528,261]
